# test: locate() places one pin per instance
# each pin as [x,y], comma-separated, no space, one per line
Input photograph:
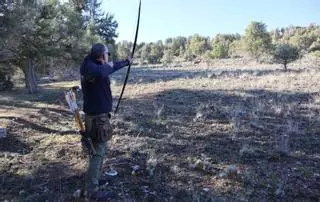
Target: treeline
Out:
[38,35]
[257,42]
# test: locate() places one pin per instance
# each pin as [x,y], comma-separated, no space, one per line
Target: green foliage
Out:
[317,54]
[221,44]
[258,40]
[315,46]
[106,28]
[197,45]
[156,52]
[237,48]
[123,49]
[151,53]
[102,24]
[145,51]
[177,45]
[285,53]
[35,32]
[220,51]
[208,55]
[305,38]
[167,57]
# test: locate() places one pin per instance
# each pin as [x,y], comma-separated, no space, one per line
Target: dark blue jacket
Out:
[95,84]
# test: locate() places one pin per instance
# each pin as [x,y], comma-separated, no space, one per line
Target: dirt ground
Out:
[222,133]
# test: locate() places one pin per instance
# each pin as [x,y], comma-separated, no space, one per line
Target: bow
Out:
[132,53]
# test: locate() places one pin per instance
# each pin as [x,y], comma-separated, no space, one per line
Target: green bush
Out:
[285,53]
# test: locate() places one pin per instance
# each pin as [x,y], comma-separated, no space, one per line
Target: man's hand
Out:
[130,60]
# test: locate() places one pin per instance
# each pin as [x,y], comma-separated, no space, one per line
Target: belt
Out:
[98,114]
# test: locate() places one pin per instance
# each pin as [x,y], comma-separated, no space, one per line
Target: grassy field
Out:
[246,132]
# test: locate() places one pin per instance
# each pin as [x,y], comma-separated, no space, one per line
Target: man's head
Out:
[100,52]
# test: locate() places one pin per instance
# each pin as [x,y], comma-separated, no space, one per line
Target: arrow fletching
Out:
[71,100]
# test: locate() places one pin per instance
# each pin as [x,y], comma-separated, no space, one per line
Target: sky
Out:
[161,19]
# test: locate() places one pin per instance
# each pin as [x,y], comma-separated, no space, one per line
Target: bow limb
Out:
[132,54]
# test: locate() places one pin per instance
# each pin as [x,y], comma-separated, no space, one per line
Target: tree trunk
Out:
[30,77]
[285,66]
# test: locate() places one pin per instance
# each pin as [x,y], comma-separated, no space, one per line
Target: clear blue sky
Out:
[161,19]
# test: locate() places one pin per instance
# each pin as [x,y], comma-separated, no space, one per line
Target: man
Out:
[97,97]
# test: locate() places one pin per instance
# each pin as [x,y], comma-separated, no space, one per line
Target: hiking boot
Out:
[103,182]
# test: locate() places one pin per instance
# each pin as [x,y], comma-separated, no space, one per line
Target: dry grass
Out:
[231,132]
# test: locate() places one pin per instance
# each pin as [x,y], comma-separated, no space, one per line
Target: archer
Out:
[97,97]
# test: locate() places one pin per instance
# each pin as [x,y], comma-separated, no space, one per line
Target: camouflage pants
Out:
[100,130]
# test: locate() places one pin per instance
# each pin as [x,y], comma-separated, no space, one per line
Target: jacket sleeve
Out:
[104,70]
[96,70]
[120,64]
